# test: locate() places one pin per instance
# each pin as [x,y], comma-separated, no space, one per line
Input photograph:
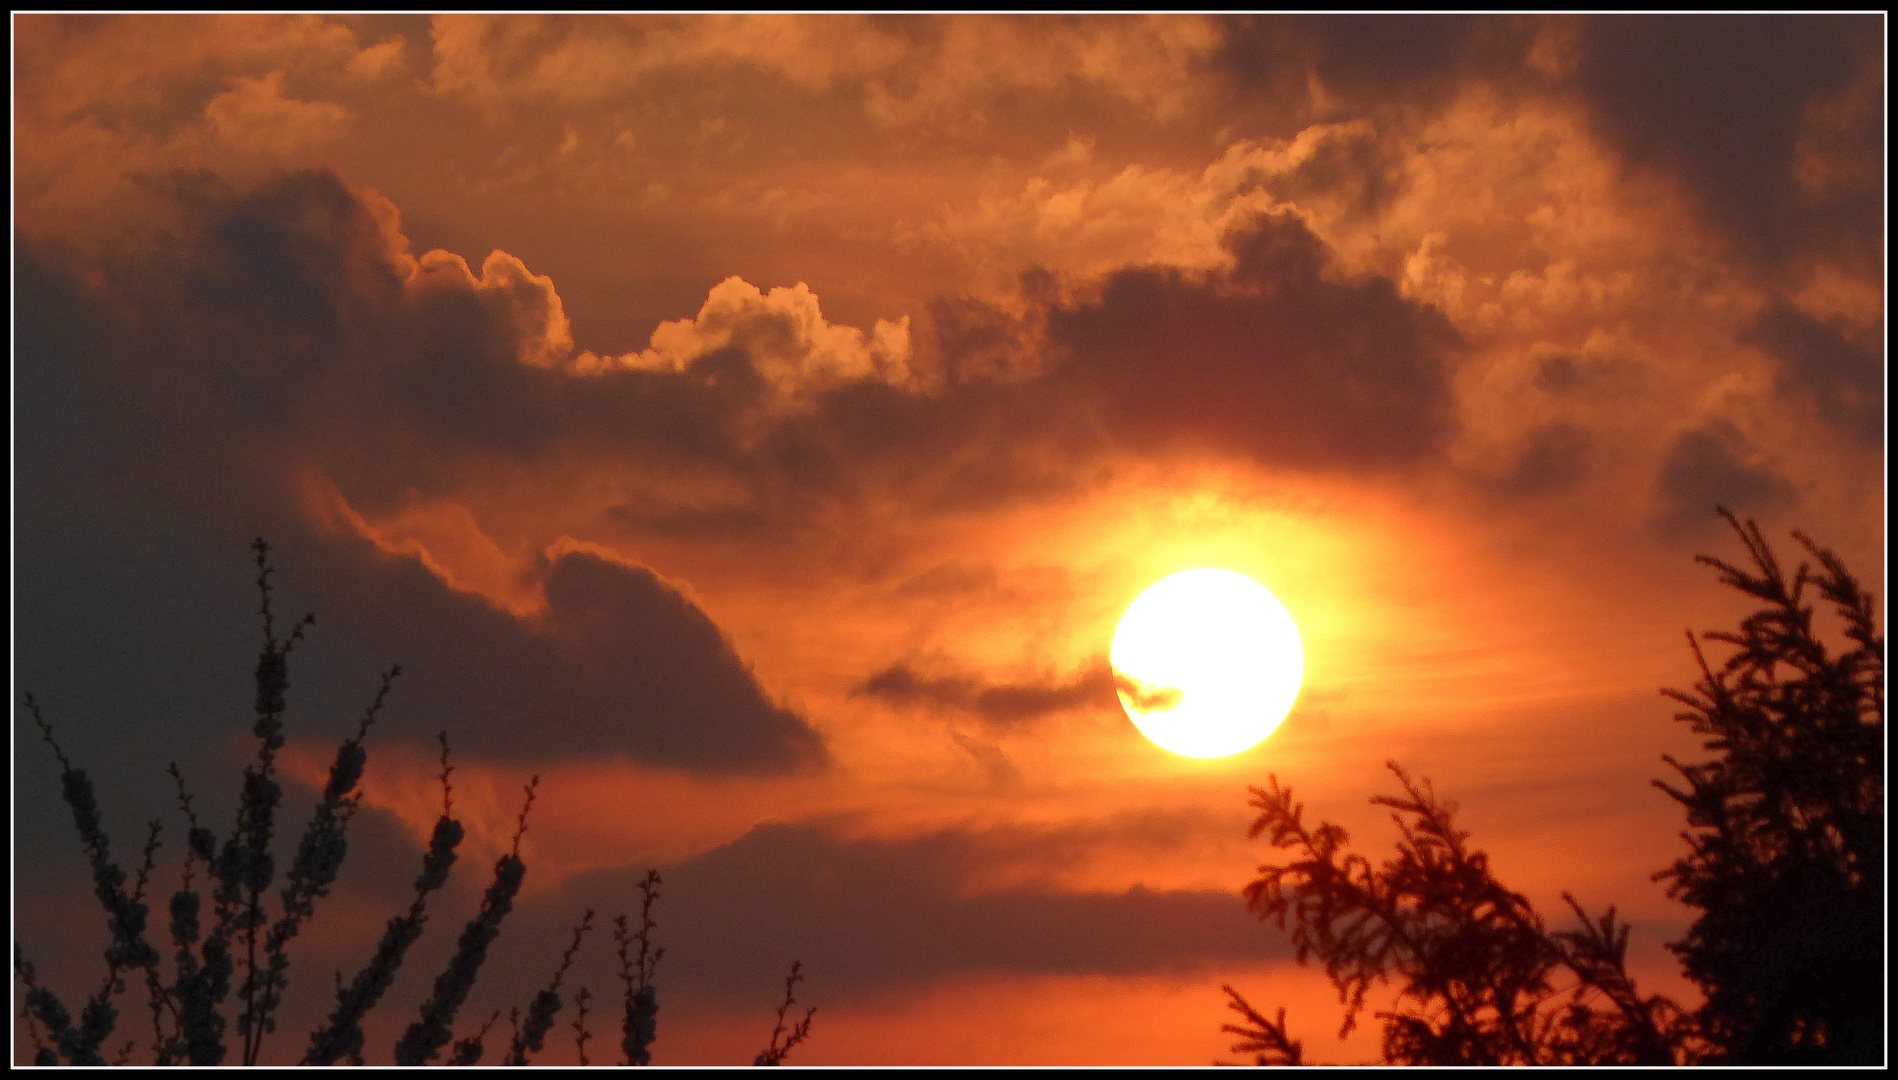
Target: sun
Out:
[1207,662]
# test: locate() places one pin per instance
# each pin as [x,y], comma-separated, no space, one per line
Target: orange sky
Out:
[646,386]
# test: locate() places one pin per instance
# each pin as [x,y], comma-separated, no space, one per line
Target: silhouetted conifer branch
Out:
[1266,1039]
[1786,821]
[240,870]
[1471,960]
[44,1004]
[194,1027]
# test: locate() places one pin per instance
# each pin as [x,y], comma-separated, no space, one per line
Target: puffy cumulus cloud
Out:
[781,336]
[1340,175]
[398,375]
[873,913]
[1081,225]
[1342,172]
[1769,123]
[513,295]
[283,337]
[1280,358]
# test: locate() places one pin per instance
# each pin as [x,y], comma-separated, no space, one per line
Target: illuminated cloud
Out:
[781,336]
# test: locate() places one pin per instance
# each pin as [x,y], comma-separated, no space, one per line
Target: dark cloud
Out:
[1845,379]
[1000,704]
[1720,100]
[175,389]
[620,665]
[1705,468]
[285,315]
[1366,63]
[1561,373]
[1725,103]
[866,915]
[1550,458]
[1280,359]
[166,415]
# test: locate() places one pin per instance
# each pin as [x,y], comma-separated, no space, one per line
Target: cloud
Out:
[1568,374]
[1338,63]
[1550,458]
[1000,770]
[781,335]
[1281,358]
[1705,467]
[254,115]
[1769,122]
[294,316]
[868,914]
[1003,705]
[1844,378]
[1721,102]
[189,403]
[613,662]
[899,72]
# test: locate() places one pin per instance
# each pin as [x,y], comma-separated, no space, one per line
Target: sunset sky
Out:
[755,426]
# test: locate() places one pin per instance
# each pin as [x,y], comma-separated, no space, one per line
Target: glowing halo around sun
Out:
[1207,662]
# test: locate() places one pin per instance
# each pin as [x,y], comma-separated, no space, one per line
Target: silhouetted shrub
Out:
[1785,823]
[1785,864]
[1473,963]
[239,938]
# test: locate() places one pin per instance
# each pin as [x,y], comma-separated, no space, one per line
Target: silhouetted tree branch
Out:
[1785,863]
[783,1036]
[1475,969]
[1786,821]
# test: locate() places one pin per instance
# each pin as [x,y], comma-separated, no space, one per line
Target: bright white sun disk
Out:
[1208,662]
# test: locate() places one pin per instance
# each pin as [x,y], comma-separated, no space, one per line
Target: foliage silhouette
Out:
[783,1037]
[1785,863]
[188,1019]
[1480,979]
[1786,822]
